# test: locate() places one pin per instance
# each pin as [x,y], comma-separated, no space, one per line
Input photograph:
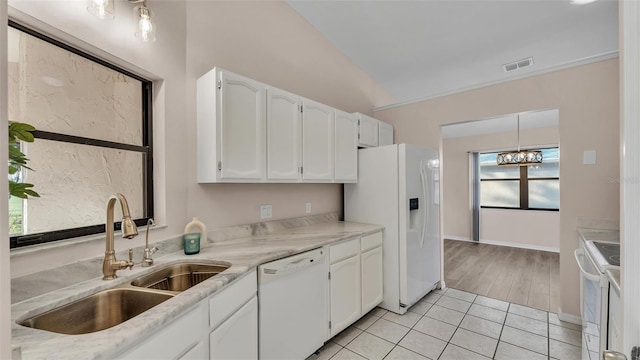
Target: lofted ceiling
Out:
[422,49]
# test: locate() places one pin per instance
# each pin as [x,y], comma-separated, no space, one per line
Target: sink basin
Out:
[179,277]
[97,312]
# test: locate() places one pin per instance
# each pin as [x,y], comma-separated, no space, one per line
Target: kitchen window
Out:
[535,187]
[92,139]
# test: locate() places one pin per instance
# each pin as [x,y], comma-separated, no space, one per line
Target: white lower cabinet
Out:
[225,325]
[355,280]
[198,352]
[222,326]
[237,337]
[371,262]
[344,288]
[371,269]
[175,339]
[233,320]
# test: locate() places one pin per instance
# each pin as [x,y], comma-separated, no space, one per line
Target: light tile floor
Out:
[453,324]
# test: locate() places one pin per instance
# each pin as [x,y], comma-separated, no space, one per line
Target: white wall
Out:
[530,229]
[5,272]
[265,40]
[270,42]
[162,61]
[587,97]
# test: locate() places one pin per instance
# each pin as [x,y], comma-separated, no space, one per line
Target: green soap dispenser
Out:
[191,240]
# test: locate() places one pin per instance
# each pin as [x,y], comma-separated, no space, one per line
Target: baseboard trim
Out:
[569,318]
[504,243]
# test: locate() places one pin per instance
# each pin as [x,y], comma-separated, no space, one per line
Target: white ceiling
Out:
[420,49]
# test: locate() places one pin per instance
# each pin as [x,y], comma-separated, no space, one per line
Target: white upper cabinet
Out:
[317,141]
[385,133]
[283,135]
[367,131]
[250,132]
[231,128]
[373,132]
[346,147]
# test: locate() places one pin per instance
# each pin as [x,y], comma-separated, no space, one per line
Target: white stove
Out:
[594,258]
[605,254]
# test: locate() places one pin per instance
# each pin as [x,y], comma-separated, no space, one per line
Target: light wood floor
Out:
[522,276]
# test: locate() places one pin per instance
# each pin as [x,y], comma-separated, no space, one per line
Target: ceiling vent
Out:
[517,64]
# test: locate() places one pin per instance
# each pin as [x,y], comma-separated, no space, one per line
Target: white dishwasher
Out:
[292,295]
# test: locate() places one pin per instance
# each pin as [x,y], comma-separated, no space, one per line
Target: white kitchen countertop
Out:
[243,253]
[599,235]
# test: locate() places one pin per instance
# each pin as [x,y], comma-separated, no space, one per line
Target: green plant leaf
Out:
[20,131]
[21,190]
[18,160]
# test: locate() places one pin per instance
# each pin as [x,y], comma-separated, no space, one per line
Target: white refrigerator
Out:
[398,187]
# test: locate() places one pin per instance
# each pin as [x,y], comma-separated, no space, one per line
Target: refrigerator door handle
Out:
[425,195]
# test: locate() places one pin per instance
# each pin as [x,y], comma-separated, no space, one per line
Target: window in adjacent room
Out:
[93,138]
[521,187]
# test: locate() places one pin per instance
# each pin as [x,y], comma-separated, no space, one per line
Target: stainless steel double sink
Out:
[114,306]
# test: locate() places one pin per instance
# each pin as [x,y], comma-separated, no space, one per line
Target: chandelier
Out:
[519,157]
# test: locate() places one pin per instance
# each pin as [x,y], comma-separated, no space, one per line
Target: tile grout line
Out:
[495,352]
[548,338]
[458,326]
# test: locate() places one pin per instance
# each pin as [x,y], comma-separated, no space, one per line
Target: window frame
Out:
[146,149]
[523,180]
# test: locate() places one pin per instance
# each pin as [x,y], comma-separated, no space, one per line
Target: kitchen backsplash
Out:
[40,283]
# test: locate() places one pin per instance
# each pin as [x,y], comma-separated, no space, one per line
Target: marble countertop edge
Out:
[588,234]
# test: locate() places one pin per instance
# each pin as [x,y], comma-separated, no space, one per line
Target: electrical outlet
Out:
[308,208]
[265,211]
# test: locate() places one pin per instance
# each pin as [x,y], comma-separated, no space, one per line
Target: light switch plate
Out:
[308,208]
[265,211]
[589,157]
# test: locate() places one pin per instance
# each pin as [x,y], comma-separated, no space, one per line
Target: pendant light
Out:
[519,157]
[145,28]
[102,9]
[142,16]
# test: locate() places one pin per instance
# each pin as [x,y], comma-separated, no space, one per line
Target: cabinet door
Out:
[198,352]
[367,131]
[385,134]
[371,264]
[237,337]
[173,340]
[346,149]
[345,293]
[242,128]
[283,135]
[317,141]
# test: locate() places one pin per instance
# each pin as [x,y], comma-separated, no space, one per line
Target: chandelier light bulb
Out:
[145,29]
[102,9]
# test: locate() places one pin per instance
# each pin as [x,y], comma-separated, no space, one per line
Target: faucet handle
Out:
[130,265]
